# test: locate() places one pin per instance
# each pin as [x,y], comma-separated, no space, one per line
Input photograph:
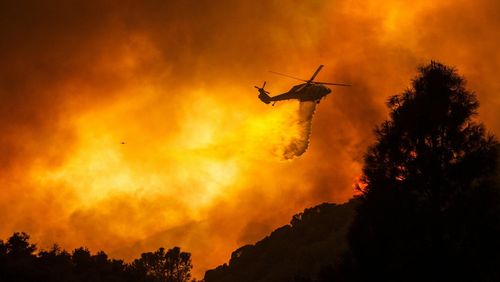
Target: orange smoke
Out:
[202,165]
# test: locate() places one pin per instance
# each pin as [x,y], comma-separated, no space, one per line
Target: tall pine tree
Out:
[430,204]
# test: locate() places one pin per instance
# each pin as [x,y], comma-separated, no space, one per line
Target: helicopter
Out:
[309,91]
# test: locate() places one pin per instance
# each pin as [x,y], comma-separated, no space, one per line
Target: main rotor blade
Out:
[331,83]
[289,76]
[316,73]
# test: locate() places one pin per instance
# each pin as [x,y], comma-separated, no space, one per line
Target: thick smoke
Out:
[79,77]
[298,144]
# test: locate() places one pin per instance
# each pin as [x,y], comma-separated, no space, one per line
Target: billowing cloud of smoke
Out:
[174,80]
[303,124]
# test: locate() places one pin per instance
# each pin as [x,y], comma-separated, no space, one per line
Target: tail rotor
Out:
[261,89]
[263,94]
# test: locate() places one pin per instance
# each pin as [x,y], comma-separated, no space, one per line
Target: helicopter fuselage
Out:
[309,91]
[302,92]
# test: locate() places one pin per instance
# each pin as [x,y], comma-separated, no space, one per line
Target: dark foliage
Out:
[293,252]
[19,261]
[161,266]
[430,208]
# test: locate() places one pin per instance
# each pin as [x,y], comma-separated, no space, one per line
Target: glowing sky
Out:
[174,79]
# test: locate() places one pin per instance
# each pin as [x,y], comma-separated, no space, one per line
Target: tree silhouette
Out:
[161,266]
[430,204]
[19,261]
[55,265]
[18,245]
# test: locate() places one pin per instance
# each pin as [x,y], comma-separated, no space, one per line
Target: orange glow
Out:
[202,167]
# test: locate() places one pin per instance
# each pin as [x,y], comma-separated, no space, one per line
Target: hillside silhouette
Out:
[313,239]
